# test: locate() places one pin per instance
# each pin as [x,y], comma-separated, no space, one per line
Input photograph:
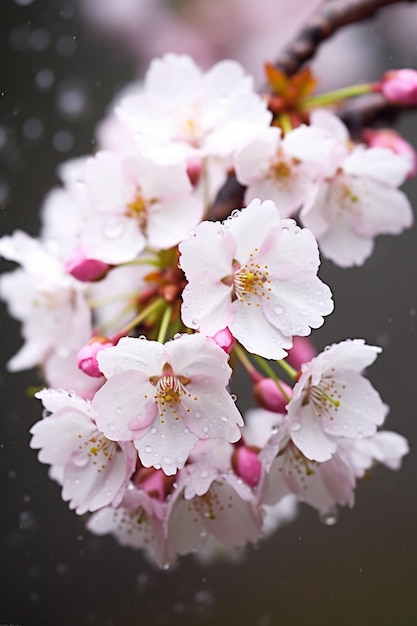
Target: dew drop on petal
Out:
[198,414]
[278,310]
[153,430]
[112,426]
[296,426]
[330,517]
[223,417]
[148,449]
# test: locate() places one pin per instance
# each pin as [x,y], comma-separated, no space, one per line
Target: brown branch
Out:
[327,20]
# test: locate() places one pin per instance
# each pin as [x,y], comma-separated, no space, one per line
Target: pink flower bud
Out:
[388,138]
[246,464]
[156,484]
[194,169]
[399,86]
[269,397]
[84,269]
[87,356]
[302,351]
[225,340]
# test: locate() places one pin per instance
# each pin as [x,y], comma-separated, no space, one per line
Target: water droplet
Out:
[118,410]
[203,474]
[296,426]
[198,414]
[278,310]
[185,430]
[134,424]
[194,322]
[154,430]
[177,335]
[80,460]
[114,228]
[330,517]
[345,426]
[223,418]
[44,79]
[148,449]
[27,521]
[118,370]
[112,426]
[206,429]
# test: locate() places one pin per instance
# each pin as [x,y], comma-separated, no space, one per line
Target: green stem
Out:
[93,303]
[268,370]
[154,306]
[330,97]
[285,123]
[292,373]
[241,355]
[164,324]
[154,262]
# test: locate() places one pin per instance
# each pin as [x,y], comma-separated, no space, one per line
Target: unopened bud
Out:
[84,269]
[388,138]
[302,351]
[269,396]
[156,484]
[399,86]
[194,169]
[225,340]
[87,356]
[246,464]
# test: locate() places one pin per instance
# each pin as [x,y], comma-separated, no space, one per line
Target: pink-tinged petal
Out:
[384,447]
[343,246]
[58,436]
[308,434]
[296,307]
[199,480]
[133,528]
[132,354]
[57,399]
[109,189]
[288,194]
[196,355]
[251,226]
[252,329]
[316,213]
[360,410]
[113,239]
[385,211]
[125,406]
[253,160]
[339,479]
[379,164]
[173,76]
[206,304]
[330,125]
[166,445]
[351,354]
[92,481]
[158,181]
[172,220]
[211,248]
[214,414]
[308,144]
[185,527]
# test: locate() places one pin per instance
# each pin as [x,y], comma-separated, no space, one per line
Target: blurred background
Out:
[62,62]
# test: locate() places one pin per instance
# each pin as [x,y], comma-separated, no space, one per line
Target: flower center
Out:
[251,280]
[324,397]
[99,449]
[342,195]
[138,209]
[170,389]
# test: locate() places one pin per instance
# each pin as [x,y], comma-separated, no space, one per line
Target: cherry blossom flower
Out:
[166,397]
[266,165]
[136,202]
[194,113]
[357,196]
[137,522]
[49,302]
[93,470]
[333,400]
[211,502]
[256,275]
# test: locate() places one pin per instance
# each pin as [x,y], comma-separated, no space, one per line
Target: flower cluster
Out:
[138,309]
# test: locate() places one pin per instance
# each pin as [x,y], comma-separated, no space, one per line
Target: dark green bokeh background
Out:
[362,571]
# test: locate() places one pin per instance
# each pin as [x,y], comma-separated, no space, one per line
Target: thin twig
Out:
[327,20]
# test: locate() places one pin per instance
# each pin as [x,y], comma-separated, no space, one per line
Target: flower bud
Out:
[269,397]
[84,269]
[224,340]
[194,170]
[388,138]
[156,484]
[87,356]
[399,86]
[302,351]
[246,464]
